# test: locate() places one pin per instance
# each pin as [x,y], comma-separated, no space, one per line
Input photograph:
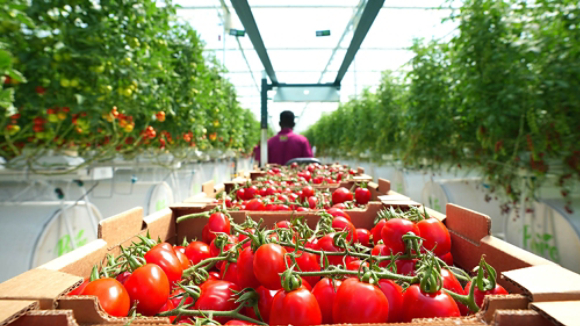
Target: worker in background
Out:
[286,145]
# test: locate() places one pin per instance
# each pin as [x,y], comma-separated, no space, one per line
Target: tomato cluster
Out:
[295,188]
[293,196]
[291,274]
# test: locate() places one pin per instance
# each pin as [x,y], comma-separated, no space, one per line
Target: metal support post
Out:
[264,124]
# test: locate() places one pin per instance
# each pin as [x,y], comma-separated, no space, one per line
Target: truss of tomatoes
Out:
[314,173]
[288,273]
[290,196]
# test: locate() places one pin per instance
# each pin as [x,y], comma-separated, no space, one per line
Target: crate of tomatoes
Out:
[388,262]
[297,196]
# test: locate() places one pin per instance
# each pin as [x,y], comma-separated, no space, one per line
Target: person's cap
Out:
[287,118]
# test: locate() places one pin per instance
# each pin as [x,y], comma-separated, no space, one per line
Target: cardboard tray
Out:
[210,190]
[523,274]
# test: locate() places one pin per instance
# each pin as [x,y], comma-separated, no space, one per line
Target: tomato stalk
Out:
[234,314]
[383,274]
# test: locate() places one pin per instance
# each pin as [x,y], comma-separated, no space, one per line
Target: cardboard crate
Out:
[210,190]
[523,274]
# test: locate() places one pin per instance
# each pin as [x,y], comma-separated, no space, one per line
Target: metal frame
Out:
[247,18]
[366,20]
[365,15]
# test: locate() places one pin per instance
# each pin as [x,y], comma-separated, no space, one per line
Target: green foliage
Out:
[111,77]
[502,96]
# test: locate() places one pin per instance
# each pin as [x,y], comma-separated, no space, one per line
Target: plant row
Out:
[112,77]
[500,96]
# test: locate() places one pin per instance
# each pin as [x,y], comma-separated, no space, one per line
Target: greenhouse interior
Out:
[276,162]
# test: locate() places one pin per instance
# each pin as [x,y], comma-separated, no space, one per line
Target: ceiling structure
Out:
[288,31]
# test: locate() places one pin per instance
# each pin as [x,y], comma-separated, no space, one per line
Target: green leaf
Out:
[6,97]
[80,98]
[15,74]
[5,60]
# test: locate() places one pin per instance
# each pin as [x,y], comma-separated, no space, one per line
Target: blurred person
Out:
[286,145]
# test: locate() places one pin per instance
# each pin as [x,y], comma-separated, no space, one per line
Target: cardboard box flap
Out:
[519,317]
[115,229]
[208,188]
[546,283]
[559,313]
[393,197]
[479,225]
[39,284]
[384,186]
[80,261]
[491,304]
[46,318]
[12,309]
[87,310]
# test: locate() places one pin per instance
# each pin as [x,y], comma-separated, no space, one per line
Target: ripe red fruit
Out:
[341,195]
[362,196]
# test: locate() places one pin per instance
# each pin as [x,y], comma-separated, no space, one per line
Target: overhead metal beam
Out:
[314,49]
[247,18]
[367,18]
[324,7]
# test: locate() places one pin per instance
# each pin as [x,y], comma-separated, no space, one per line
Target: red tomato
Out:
[447,258]
[363,237]
[355,265]
[123,277]
[218,223]
[263,192]
[251,192]
[213,276]
[326,243]
[451,283]
[381,250]
[255,205]
[342,224]
[270,191]
[283,225]
[307,262]
[357,302]
[301,209]
[215,251]
[149,286]
[246,277]
[264,303]
[307,192]
[406,266]
[336,212]
[318,180]
[80,289]
[362,195]
[242,237]
[394,230]
[341,195]
[112,296]
[340,206]
[417,304]
[197,251]
[217,296]
[298,307]
[394,294]
[268,264]
[185,264]
[238,322]
[376,231]
[168,306]
[179,248]
[480,295]
[312,202]
[167,260]
[436,236]
[230,273]
[241,194]
[325,291]
[177,300]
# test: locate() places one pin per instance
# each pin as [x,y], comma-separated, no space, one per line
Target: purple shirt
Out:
[285,146]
